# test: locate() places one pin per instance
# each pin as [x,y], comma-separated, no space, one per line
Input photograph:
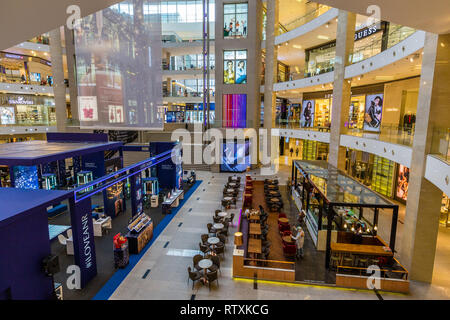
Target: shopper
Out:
[299,241]
[291,150]
[296,152]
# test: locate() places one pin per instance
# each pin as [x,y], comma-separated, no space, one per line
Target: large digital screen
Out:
[7,115]
[234,110]
[235,67]
[235,156]
[374,112]
[118,53]
[235,17]
[307,115]
[402,182]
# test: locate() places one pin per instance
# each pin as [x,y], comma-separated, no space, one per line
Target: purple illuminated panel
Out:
[234,110]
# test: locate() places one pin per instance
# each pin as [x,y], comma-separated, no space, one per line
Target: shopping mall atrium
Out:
[129,173]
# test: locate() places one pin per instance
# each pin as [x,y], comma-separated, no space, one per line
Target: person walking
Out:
[296,152]
[299,241]
[291,151]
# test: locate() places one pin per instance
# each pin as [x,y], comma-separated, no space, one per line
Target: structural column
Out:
[59,88]
[270,77]
[341,87]
[70,56]
[419,236]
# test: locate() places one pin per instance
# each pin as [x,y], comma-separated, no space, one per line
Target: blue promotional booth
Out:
[24,220]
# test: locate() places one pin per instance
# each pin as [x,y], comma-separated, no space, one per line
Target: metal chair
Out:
[212,276]
[194,276]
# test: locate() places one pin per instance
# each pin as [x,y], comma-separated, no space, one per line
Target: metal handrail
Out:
[306,16]
[360,269]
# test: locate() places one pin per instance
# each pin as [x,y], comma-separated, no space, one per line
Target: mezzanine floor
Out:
[172,252]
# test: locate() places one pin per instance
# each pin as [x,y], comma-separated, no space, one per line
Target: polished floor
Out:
[162,271]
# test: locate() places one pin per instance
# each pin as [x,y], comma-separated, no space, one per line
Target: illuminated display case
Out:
[356,112]
[151,186]
[49,181]
[383,176]
[323,113]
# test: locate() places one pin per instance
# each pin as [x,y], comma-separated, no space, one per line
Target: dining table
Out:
[205,264]
[254,229]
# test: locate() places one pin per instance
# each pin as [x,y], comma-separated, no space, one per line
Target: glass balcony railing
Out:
[312,12]
[388,133]
[440,143]
[395,35]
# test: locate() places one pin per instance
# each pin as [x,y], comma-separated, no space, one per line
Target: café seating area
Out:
[206,264]
[272,195]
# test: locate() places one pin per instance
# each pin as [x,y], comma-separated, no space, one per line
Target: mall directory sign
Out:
[118,53]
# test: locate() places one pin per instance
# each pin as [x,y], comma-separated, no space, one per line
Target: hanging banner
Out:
[83,239]
[119,72]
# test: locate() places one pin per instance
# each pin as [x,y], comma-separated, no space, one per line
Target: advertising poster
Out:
[115,114]
[235,67]
[7,115]
[235,20]
[229,75]
[307,115]
[235,156]
[402,182]
[88,108]
[374,111]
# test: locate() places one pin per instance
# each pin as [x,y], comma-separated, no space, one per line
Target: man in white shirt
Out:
[299,241]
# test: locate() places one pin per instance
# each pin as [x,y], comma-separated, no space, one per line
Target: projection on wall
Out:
[118,54]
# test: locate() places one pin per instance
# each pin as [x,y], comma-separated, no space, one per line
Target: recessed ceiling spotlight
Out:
[327,25]
[411,59]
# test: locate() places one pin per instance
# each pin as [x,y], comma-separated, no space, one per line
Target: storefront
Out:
[27,110]
[373,171]
[25,69]
[368,42]
[194,113]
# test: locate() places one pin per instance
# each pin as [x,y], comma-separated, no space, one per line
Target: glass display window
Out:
[323,113]
[356,112]
[320,60]
[235,16]
[383,176]
[235,66]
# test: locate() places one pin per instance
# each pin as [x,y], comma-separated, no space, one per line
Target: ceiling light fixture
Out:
[322,37]
[297,46]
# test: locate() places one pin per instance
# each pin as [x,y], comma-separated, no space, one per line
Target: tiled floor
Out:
[167,278]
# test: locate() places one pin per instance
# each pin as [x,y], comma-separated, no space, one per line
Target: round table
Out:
[230,190]
[205,263]
[222,214]
[218,226]
[227,198]
[231,184]
[283,220]
[272,186]
[273,192]
[274,199]
[213,240]
[288,239]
